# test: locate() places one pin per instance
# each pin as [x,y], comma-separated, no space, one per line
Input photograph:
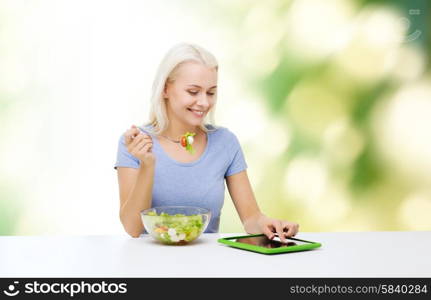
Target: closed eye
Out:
[195,93]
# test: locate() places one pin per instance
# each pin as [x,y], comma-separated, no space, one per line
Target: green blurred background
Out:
[331,101]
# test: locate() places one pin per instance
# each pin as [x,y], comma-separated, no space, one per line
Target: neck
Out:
[176,129]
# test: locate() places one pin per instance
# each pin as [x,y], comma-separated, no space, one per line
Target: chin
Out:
[196,123]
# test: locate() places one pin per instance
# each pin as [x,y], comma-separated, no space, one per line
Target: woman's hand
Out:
[139,145]
[269,226]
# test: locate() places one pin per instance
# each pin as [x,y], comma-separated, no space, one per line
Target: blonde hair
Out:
[167,72]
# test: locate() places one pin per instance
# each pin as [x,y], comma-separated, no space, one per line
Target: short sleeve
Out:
[238,162]
[124,158]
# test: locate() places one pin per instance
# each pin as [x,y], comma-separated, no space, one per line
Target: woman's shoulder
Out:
[220,132]
[216,130]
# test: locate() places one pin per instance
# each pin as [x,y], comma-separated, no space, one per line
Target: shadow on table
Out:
[273,254]
[194,243]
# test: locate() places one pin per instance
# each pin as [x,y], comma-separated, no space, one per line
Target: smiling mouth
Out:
[197,113]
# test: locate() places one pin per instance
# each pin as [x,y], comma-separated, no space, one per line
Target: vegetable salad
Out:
[173,229]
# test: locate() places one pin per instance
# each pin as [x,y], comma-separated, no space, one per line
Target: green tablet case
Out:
[228,241]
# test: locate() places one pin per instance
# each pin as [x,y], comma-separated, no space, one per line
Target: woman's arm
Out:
[251,217]
[243,198]
[135,195]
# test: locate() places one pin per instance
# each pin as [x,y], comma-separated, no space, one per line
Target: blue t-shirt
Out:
[199,183]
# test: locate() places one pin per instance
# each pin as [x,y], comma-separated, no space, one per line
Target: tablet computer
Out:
[262,244]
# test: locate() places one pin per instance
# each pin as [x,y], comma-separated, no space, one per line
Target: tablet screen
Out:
[263,241]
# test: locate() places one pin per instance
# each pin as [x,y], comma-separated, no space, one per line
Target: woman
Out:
[153,167]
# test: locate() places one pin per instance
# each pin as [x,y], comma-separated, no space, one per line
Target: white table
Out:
[343,254]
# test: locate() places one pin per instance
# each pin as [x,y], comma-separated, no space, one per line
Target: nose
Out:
[203,101]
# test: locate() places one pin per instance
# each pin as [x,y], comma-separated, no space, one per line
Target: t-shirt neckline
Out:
[185,164]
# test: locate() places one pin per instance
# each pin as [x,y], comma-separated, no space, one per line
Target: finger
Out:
[267,231]
[127,139]
[137,140]
[132,146]
[147,137]
[290,230]
[139,145]
[134,132]
[143,145]
[136,149]
[130,135]
[279,229]
[150,142]
[134,143]
[141,133]
[146,148]
[296,229]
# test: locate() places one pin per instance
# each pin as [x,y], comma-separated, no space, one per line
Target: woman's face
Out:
[192,94]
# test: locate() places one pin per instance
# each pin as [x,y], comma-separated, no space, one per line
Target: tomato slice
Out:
[183,141]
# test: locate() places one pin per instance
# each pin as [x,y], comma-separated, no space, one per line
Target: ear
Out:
[165,91]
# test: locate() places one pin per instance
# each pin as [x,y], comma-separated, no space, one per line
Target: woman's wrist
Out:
[146,170]
[251,224]
[144,165]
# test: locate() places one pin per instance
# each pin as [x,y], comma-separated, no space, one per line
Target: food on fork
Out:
[187,141]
